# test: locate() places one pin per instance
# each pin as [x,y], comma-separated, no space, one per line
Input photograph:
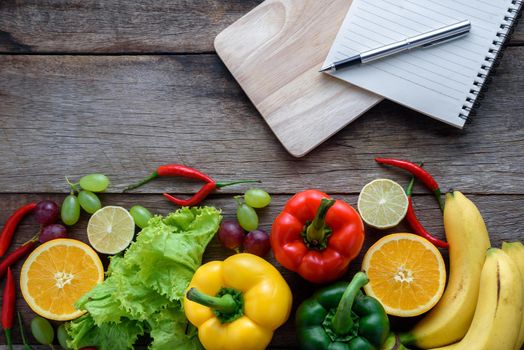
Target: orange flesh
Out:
[60,275]
[404,274]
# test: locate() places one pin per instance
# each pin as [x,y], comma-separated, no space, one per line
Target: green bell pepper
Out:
[341,317]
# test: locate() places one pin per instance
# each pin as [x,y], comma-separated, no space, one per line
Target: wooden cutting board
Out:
[275,52]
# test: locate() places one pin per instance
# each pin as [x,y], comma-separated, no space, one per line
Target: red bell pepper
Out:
[317,236]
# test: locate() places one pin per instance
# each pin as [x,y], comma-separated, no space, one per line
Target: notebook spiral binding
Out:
[492,60]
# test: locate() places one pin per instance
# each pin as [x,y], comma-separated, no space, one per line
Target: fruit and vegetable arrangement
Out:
[156,289]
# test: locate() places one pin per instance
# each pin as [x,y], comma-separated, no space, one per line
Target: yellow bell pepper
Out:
[237,303]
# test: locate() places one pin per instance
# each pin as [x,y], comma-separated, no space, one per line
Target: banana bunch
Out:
[482,306]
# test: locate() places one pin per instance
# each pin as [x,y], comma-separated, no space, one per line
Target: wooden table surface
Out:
[120,87]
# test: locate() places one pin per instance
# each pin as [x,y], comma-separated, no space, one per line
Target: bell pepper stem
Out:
[317,230]
[225,304]
[145,180]
[225,184]
[342,321]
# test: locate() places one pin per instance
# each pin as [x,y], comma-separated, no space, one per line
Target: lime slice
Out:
[382,203]
[110,229]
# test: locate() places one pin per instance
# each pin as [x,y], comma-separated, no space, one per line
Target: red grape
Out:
[231,234]
[257,242]
[51,232]
[46,212]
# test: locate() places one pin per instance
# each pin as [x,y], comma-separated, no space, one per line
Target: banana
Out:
[496,323]
[515,250]
[468,241]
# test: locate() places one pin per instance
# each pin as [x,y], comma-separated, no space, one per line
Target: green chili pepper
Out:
[342,317]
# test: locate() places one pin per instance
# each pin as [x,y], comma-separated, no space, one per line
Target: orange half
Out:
[56,274]
[406,274]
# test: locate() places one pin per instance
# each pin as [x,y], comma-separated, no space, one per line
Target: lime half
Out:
[382,203]
[110,230]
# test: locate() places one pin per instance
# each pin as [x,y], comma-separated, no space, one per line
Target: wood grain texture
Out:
[115,26]
[274,52]
[503,218]
[122,26]
[125,115]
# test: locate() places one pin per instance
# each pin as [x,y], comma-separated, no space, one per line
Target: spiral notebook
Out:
[442,81]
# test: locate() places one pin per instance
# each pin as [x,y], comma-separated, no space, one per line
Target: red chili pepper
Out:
[188,172]
[414,222]
[18,254]
[11,224]
[8,307]
[196,198]
[172,170]
[419,173]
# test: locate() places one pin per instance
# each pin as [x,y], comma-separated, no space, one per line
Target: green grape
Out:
[70,211]
[94,182]
[89,201]
[141,215]
[42,330]
[61,334]
[247,217]
[257,198]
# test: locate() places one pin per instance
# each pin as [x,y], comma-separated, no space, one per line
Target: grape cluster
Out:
[233,235]
[46,214]
[86,199]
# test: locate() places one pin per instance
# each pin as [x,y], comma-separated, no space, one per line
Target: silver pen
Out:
[431,38]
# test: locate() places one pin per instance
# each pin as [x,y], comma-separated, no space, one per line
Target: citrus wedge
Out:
[110,229]
[406,274]
[56,274]
[382,203]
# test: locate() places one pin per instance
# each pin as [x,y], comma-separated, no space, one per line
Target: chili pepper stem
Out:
[225,304]
[409,189]
[342,321]
[438,195]
[8,338]
[145,180]
[225,184]
[317,230]
[22,333]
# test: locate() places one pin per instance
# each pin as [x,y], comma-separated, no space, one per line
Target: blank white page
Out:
[436,81]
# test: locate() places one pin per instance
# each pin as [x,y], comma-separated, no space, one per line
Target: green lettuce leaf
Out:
[83,332]
[146,284]
[168,257]
[101,304]
[171,330]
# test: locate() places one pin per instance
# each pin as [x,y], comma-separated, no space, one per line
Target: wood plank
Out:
[125,115]
[517,37]
[116,27]
[121,27]
[503,220]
